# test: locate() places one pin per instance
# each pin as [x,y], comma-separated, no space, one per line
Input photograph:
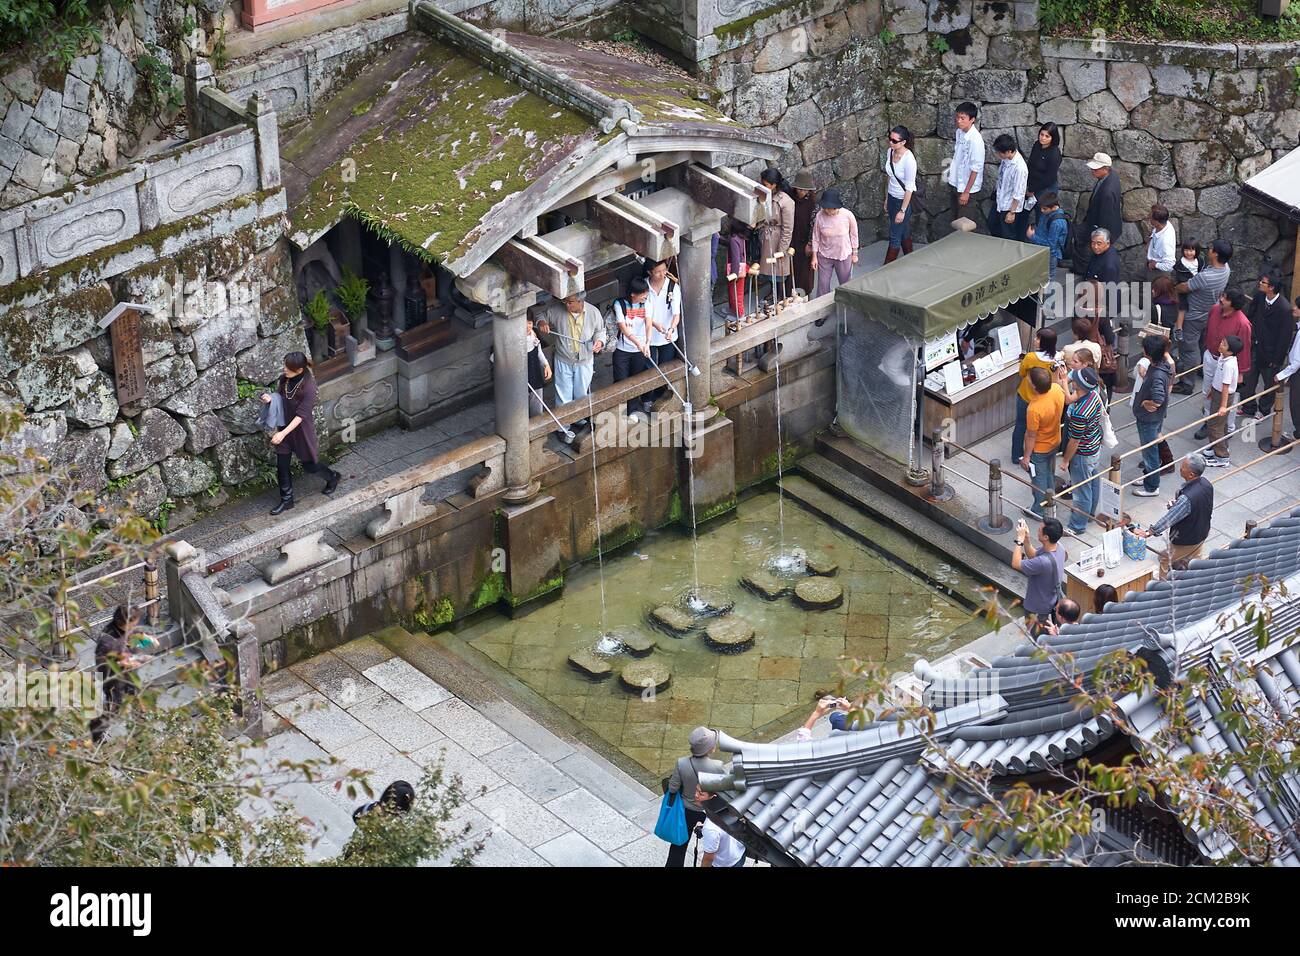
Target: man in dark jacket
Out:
[1104,208]
[1271,332]
[1150,405]
[1188,517]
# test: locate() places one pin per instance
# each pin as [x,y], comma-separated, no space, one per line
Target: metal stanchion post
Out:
[1123,380]
[1116,465]
[996,522]
[1250,527]
[1274,440]
[938,490]
[1049,504]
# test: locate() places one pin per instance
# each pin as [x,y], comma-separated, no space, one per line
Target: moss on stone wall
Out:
[738,27]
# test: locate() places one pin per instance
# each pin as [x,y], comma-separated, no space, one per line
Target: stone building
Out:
[226,274]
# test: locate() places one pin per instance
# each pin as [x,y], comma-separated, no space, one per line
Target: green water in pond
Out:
[888,617]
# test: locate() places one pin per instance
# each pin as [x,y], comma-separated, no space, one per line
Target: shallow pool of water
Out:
[888,617]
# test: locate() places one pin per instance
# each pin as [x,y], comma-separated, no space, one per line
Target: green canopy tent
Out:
[887,316]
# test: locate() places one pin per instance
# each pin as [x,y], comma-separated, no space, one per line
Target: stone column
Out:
[694,264]
[510,390]
[397,270]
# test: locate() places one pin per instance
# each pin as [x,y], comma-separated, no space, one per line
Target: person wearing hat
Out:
[1104,208]
[578,332]
[834,241]
[805,208]
[1083,431]
[686,779]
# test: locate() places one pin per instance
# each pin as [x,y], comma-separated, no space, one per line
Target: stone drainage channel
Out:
[771,641]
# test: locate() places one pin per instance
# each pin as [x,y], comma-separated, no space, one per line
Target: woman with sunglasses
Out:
[900,189]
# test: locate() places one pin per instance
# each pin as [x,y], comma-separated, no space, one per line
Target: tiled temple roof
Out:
[862,798]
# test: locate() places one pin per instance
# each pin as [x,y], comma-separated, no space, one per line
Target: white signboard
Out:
[1110,502]
[943,349]
[984,366]
[952,383]
[1090,559]
[1009,340]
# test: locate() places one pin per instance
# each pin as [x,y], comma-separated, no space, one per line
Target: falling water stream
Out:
[607,643]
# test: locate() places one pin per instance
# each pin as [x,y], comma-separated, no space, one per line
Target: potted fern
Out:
[318,311]
[352,292]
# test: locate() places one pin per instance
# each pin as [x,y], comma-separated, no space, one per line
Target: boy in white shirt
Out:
[718,846]
[664,308]
[966,171]
[1223,390]
[1162,246]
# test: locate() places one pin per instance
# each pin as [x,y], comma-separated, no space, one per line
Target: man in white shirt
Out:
[718,846]
[1162,247]
[664,308]
[966,171]
[1013,179]
[1292,366]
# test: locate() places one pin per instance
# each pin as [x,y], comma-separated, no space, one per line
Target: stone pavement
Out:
[535,799]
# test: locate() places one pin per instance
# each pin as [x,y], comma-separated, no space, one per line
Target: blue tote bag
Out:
[671,826]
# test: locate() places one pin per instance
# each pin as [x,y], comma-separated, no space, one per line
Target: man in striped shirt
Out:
[1083,446]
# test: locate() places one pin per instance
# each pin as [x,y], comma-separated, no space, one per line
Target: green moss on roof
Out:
[448,147]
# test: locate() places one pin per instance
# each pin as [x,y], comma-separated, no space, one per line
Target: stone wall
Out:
[60,126]
[195,235]
[1185,122]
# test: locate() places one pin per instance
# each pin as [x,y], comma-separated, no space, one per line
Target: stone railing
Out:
[299,80]
[137,199]
[1222,56]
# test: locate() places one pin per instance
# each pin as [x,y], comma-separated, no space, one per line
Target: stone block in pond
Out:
[637,642]
[819,593]
[645,675]
[765,584]
[730,633]
[590,663]
[820,563]
[673,618]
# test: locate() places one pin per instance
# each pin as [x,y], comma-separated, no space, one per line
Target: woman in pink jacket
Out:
[834,241]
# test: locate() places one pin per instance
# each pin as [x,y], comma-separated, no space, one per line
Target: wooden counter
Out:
[1128,575]
[979,409]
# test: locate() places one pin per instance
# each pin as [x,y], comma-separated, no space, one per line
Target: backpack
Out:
[1069,250]
[754,245]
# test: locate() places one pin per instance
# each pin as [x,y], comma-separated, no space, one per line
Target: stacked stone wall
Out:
[1186,123]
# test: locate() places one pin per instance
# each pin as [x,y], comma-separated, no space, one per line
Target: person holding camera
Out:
[1044,566]
[720,847]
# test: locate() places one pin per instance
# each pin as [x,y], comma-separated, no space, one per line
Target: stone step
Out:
[857,507]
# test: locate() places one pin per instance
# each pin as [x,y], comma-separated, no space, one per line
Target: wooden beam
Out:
[738,196]
[633,225]
[612,180]
[536,261]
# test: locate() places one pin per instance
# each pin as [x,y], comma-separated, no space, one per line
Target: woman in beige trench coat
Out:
[775,234]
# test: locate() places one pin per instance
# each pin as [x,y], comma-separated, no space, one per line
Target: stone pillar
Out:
[694,266]
[510,389]
[397,270]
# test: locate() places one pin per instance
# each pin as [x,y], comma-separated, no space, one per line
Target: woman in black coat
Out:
[1044,169]
[297,391]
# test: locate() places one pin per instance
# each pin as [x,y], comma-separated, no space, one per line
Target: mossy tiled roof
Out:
[422,147]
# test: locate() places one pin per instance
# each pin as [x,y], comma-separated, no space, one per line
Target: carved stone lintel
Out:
[298,556]
[401,511]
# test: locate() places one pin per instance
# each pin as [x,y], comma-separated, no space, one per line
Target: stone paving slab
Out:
[336,679]
[597,820]
[407,684]
[396,723]
[520,815]
[326,723]
[474,774]
[463,724]
[573,849]
[528,771]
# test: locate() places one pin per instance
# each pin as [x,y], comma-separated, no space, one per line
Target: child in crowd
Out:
[737,252]
[1221,388]
[1190,262]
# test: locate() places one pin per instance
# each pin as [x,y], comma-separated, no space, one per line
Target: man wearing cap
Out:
[1083,445]
[834,241]
[578,332]
[805,208]
[686,779]
[1105,208]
